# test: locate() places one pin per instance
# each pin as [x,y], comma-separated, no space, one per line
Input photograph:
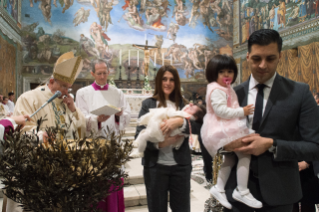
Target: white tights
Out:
[242,171]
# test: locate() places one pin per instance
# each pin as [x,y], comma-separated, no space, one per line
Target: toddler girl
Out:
[225,122]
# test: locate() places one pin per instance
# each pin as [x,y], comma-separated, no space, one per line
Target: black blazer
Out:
[290,106]
[182,155]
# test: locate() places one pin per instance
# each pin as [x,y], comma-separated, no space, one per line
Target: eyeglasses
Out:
[64,87]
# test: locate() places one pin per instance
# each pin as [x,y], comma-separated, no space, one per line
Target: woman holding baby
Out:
[167,167]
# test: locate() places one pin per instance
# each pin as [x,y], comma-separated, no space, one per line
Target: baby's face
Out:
[192,109]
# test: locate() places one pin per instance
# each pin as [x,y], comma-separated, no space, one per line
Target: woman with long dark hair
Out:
[168,168]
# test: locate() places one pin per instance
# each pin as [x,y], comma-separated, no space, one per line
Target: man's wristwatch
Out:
[273,148]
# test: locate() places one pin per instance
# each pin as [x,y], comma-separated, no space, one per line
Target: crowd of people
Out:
[6,105]
[265,128]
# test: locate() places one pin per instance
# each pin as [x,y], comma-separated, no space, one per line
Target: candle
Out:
[138,58]
[120,56]
[155,59]
[162,59]
[129,57]
[171,59]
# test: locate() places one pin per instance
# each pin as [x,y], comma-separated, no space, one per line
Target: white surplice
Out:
[88,99]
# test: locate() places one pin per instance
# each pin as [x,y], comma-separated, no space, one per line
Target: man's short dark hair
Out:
[264,37]
[10,94]
[98,61]
[218,63]
[316,95]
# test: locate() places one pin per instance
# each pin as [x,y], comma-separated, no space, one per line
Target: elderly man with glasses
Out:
[61,110]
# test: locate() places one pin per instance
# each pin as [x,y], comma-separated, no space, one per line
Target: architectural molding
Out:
[292,37]
[9,27]
[28,80]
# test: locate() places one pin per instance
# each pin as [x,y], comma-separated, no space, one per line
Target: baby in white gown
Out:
[153,119]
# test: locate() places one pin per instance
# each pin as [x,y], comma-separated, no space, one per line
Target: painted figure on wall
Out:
[272,16]
[316,5]
[281,14]
[172,31]
[99,37]
[294,14]
[302,11]
[81,16]
[11,6]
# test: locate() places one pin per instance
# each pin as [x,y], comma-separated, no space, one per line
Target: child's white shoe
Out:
[247,198]
[220,196]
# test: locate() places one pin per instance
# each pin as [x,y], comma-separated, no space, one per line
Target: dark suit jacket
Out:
[290,105]
[316,163]
[181,156]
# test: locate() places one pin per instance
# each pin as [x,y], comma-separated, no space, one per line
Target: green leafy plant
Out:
[64,175]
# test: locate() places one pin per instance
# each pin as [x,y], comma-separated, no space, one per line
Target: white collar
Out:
[253,82]
[102,86]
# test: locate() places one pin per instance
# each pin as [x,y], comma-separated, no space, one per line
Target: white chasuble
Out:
[56,112]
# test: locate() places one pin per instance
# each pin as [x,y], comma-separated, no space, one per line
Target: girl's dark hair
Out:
[176,95]
[199,115]
[218,63]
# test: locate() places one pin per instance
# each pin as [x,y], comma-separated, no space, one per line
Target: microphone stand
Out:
[57,94]
[37,110]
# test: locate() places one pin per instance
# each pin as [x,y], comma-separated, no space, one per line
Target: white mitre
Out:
[67,68]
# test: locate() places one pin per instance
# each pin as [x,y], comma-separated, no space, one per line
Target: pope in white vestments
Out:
[95,96]
[61,110]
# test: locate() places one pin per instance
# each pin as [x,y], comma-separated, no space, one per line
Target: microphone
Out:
[57,94]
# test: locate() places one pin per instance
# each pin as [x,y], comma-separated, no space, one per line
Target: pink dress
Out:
[216,132]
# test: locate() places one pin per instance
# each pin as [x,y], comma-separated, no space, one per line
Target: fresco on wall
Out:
[183,33]
[274,14]
[11,6]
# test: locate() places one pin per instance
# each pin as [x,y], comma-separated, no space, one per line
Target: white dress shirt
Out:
[252,94]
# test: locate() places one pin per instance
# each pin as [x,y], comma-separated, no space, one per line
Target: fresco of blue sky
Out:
[185,34]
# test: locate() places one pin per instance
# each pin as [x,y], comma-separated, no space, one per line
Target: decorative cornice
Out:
[9,27]
[299,27]
[291,37]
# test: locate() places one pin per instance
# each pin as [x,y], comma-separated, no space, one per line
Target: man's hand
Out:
[171,124]
[20,120]
[119,113]
[169,140]
[255,145]
[102,118]
[303,165]
[68,100]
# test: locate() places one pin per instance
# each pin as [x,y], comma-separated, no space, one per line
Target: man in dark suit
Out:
[281,105]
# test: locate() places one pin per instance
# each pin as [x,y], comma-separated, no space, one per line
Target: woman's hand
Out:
[303,165]
[169,140]
[171,124]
